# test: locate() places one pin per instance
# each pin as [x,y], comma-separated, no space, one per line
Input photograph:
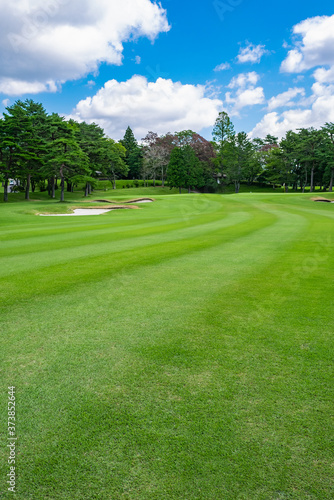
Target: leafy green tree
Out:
[270,140]
[232,167]
[115,155]
[223,129]
[253,168]
[288,159]
[308,152]
[92,141]
[328,129]
[274,166]
[262,157]
[8,153]
[36,145]
[66,159]
[26,124]
[185,170]
[223,134]
[176,169]
[157,151]
[239,153]
[153,156]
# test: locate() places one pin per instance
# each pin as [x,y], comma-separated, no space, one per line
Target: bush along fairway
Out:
[182,350]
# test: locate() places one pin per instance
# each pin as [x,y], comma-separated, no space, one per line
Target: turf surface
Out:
[179,351]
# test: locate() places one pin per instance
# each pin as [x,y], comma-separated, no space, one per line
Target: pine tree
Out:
[66,159]
[134,156]
[25,126]
[223,134]
[185,170]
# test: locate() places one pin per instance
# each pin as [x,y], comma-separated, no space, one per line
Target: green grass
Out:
[179,351]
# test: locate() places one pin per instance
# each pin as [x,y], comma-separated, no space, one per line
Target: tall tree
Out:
[134,157]
[273,166]
[28,124]
[115,155]
[239,156]
[223,134]
[328,129]
[288,159]
[309,152]
[8,153]
[203,149]
[65,158]
[153,156]
[185,170]
[92,141]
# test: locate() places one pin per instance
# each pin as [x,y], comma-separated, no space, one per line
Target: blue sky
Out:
[171,66]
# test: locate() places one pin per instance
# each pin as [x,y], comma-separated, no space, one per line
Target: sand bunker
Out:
[103,209]
[319,198]
[140,200]
[81,211]
[136,200]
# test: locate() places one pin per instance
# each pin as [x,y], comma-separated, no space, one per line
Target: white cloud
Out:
[299,78]
[5,102]
[315,47]
[244,79]
[45,41]
[245,92]
[320,112]
[222,67]
[251,53]
[243,98]
[137,59]
[13,87]
[323,75]
[163,106]
[91,83]
[285,99]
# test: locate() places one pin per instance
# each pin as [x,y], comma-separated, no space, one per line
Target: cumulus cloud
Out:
[43,42]
[251,53]
[248,97]
[91,83]
[244,92]
[163,106]
[244,79]
[315,48]
[285,99]
[320,112]
[222,67]
[323,75]
[10,86]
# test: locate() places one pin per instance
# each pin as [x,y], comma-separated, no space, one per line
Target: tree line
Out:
[300,159]
[37,148]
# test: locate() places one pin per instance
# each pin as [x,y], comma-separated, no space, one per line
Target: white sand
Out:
[142,201]
[81,211]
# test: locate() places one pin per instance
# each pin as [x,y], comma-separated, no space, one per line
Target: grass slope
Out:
[179,351]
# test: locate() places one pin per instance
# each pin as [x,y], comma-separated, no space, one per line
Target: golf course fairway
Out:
[182,350]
